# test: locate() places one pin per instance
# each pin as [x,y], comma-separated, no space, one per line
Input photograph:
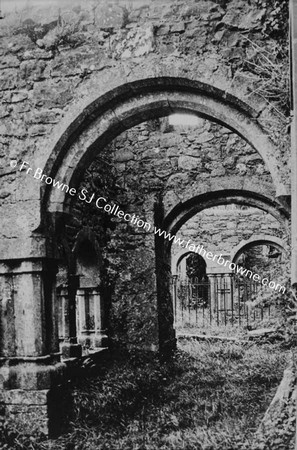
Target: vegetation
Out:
[269,71]
[264,63]
[209,396]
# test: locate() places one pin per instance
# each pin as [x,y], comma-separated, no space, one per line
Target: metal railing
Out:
[219,299]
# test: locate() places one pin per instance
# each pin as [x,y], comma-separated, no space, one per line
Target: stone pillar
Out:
[89,302]
[101,338]
[166,331]
[31,373]
[174,299]
[70,347]
[183,268]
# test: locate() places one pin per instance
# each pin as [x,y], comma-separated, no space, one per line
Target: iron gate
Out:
[223,300]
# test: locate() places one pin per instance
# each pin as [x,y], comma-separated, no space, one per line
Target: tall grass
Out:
[209,396]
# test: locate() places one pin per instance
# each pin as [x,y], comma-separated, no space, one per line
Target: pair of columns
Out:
[31,372]
[83,306]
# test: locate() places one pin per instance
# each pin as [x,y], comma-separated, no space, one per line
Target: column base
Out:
[33,396]
[38,412]
[70,350]
[93,340]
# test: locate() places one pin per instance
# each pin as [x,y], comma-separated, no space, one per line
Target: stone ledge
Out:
[204,337]
[21,397]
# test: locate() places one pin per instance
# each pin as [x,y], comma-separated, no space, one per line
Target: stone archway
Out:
[130,104]
[133,103]
[125,106]
[182,212]
[257,240]
[93,128]
[220,278]
[176,260]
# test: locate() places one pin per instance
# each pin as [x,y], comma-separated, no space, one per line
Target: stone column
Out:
[31,373]
[166,331]
[89,298]
[70,346]
[174,299]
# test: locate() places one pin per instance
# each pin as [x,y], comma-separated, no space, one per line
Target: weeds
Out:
[208,396]
[272,71]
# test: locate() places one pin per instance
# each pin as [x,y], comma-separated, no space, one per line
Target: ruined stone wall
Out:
[182,163]
[58,60]
[222,228]
[155,162]
[52,61]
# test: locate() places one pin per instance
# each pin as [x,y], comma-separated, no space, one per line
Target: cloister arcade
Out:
[75,280]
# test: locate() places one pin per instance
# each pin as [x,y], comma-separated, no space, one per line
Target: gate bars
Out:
[221,299]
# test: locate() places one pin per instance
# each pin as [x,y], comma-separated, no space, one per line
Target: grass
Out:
[198,322]
[210,396]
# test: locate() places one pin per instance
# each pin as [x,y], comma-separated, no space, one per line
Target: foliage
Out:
[12,438]
[52,36]
[277,21]
[271,70]
[195,266]
[286,302]
[208,396]
[264,62]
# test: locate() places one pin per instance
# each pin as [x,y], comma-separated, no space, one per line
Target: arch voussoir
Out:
[130,104]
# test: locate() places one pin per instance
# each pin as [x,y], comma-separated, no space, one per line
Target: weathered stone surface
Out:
[204,137]
[260,332]
[4,112]
[56,95]
[22,397]
[178,27]
[162,30]
[243,17]
[8,81]
[137,42]
[32,70]
[51,75]
[279,418]
[188,162]
[9,62]
[222,228]
[124,156]
[13,129]
[152,153]
[38,130]
[19,97]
